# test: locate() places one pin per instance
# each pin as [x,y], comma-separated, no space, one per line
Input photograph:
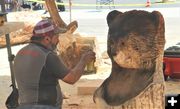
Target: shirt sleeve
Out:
[55,65]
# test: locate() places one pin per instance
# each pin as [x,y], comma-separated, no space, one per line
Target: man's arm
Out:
[75,73]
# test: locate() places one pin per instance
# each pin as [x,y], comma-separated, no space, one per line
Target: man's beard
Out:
[53,47]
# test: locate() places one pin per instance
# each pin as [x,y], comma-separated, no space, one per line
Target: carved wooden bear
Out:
[135,46]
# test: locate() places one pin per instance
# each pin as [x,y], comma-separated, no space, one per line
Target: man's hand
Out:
[75,73]
[88,56]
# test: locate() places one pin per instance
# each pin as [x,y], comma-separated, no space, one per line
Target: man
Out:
[37,69]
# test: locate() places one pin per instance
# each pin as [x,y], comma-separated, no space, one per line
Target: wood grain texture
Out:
[9,27]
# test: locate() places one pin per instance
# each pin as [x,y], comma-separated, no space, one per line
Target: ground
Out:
[75,100]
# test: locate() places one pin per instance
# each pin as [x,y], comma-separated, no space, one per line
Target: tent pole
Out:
[70,4]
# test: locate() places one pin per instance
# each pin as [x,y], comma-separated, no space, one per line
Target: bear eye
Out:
[122,43]
[136,47]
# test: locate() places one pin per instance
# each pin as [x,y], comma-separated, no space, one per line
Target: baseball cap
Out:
[46,27]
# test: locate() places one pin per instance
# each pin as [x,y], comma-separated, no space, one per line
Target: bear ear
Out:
[112,15]
[158,19]
[159,23]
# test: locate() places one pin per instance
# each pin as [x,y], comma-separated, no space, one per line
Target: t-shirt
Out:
[37,70]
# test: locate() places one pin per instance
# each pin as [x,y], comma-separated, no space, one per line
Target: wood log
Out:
[9,27]
[52,8]
[136,80]
[15,41]
[152,97]
[17,37]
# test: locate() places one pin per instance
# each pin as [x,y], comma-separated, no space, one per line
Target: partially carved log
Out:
[72,46]
[52,8]
[135,46]
[67,46]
